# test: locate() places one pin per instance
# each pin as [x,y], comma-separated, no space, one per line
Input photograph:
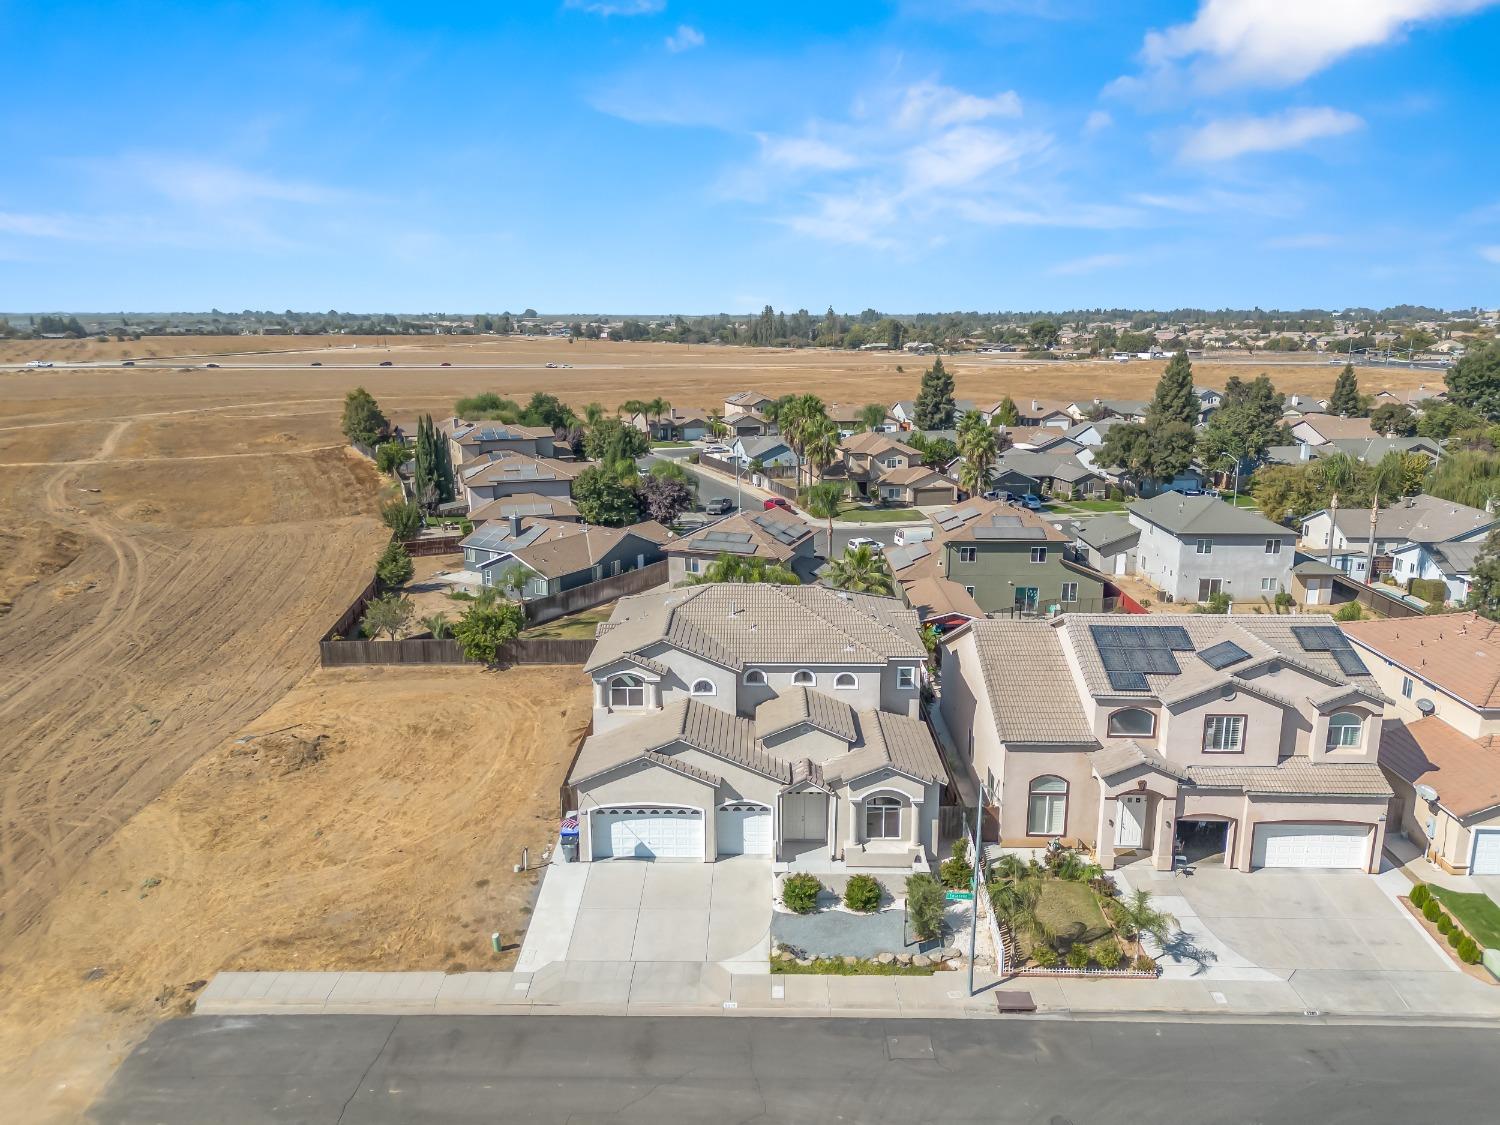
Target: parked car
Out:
[1031,502]
[445,363]
[776,502]
[551,365]
[128,363]
[719,506]
[39,363]
[875,545]
[909,535]
[386,363]
[997,494]
[716,448]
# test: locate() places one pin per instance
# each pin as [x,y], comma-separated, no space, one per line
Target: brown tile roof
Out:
[1465,771]
[873,441]
[583,546]
[932,596]
[1029,685]
[703,727]
[978,519]
[1333,426]
[914,475]
[1296,777]
[1459,653]
[511,466]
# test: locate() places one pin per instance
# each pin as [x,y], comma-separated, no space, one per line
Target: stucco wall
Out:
[1241,562]
[1022,766]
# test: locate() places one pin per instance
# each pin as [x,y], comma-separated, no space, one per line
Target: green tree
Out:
[824,501]
[389,614]
[935,407]
[1346,400]
[872,415]
[1393,419]
[1246,424]
[1147,452]
[1043,333]
[1135,914]
[394,568]
[603,498]
[612,441]
[391,455]
[550,411]
[403,518]
[487,625]
[1007,413]
[820,446]
[745,568]
[1484,589]
[1441,420]
[1174,400]
[924,906]
[362,420]
[438,625]
[1474,381]
[861,571]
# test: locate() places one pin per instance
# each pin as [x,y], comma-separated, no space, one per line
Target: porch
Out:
[813,857]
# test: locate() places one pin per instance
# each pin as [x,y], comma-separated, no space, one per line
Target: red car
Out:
[776,502]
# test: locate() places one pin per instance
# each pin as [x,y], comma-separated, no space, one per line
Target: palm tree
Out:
[861,571]
[797,419]
[824,502]
[822,446]
[593,414]
[978,449]
[438,625]
[1385,477]
[655,409]
[717,427]
[1135,916]
[872,415]
[631,407]
[969,423]
[742,568]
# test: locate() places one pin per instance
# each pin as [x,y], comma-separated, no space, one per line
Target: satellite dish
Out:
[1425,706]
[1426,792]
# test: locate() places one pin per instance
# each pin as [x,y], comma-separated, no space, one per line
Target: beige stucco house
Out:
[1441,675]
[734,719]
[1240,739]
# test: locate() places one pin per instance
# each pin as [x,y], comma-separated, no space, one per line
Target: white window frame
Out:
[846,681]
[1051,803]
[754,677]
[906,678]
[886,809]
[804,677]
[1273,546]
[1338,736]
[621,683]
[969,590]
[692,564]
[1069,592]
[713,688]
[1114,733]
[968,554]
[1039,554]
[1268,585]
[1203,547]
[1224,734]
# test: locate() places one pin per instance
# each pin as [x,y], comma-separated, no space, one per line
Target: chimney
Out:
[1035,406]
[1304,451]
[515,526]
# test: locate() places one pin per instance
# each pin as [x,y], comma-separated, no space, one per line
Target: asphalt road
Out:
[328,1069]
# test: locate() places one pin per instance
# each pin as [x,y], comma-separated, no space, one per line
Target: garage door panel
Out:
[1486,852]
[1311,845]
[744,829]
[645,832]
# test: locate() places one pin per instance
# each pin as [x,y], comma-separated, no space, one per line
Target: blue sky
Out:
[665,156]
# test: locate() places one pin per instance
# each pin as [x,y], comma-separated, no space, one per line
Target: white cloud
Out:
[929,105]
[685,38]
[1091,264]
[1096,121]
[1490,254]
[204,183]
[794,153]
[617,7]
[1279,42]
[1230,137]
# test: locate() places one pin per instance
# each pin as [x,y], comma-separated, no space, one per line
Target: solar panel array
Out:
[725,542]
[1331,639]
[902,557]
[983,531]
[956,517]
[779,530]
[1130,653]
[496,536]
[1222,655]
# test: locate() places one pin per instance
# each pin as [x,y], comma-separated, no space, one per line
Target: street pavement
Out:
[327,1069]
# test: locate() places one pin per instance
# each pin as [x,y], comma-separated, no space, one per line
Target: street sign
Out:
[959,896]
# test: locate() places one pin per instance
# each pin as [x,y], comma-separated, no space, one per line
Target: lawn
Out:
[881,515]
[838,967]
[1479,914]
[1065,905]
[573,626]
[1091,505]
[671,445]
[1243,500]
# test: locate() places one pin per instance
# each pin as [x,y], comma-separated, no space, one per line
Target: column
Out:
[916,822]
[1104,846]
[1163,825]
[855,812]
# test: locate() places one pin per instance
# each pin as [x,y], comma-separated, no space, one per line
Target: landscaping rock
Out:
[886,958]
[921,960]
[848,960]
[951,954]
[903,958]
[804,961]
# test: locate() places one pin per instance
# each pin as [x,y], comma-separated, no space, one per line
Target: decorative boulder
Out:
[850,960]
[921,960]
[903,958]
[886,958]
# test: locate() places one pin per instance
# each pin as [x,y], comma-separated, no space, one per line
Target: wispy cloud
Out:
[1490,254]
[1093,263]
[1230,137]
[617,7]
[1097,121]
[685,38]
[934,106]
[1232,43]
[796,153]
[205,183]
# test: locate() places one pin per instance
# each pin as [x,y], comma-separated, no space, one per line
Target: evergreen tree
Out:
[1484,589]
[935,408]
[1474,381]
[362,421]
[1174,400]
[1345,400]
[1007,413]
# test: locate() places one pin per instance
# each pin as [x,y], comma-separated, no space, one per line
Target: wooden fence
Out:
[425,650]
[1375,599]
[553,606]
[432,545]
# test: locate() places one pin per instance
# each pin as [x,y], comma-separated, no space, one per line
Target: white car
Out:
[39,363]
[715,447]
[551,365]
[875,545]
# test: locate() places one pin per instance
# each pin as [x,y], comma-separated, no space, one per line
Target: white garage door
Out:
[1311,845]
[1486,852]
[645,832]
[744,829]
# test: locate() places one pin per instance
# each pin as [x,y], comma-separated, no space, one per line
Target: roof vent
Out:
[1426,706]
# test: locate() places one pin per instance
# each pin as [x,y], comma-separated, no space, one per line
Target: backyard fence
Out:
[567,798]
[1376,599]
[432,545]
[427,650]
[553,606]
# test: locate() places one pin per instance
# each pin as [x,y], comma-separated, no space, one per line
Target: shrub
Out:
[1105,886]
[1469,952]
[1045,956]
[800,893]
[1455,936]
[1349,611]
[486,626]
[1144,964]
[956,871]
[1432,911]
[924,906]
[395,566]
[1430,590]
[1419,895]
[391,454]
[1444,924]
[403,518]
[1117,495]
[1109,957]
[1078,956]
[862,893]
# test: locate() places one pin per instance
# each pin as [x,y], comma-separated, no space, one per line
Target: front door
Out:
[1130,824]
[804,816]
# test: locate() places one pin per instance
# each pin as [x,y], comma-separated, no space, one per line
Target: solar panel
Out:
[1130,653]
[1175,637]
[1349,662]
[1015,533]
[1222,655]
[1128,681]
[1001,520]
[1331,639]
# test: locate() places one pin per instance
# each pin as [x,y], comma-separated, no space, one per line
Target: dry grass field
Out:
[173,539]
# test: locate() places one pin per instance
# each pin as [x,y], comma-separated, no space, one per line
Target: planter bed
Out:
[1478,972]
[1038,971]
[854,967]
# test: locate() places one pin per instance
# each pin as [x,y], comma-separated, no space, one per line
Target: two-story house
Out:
[508,474]
[881,467]
[1342,539]
[677,423]
[1008,560]
[734,719]
[1193,547]
[746,402]
[1441,751]
[776,536]
[475,441]
[1241,739]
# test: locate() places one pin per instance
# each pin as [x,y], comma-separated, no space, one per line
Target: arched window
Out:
[1132,722]
[883,818]
[1344,730]
[1047,807]
[846,680]
[803,678]
[755,678]
[627,691]
[704,687]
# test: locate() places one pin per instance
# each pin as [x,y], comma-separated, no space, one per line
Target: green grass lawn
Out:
[1064,904]
[1091,505]
[1479,914]
[573,626]
[671,445]
[835,966]
[880,515]
[1244,500]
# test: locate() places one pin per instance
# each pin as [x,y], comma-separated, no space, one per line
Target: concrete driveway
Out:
[627,911]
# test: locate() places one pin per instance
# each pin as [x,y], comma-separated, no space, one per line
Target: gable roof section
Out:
[587,545]
[692,723]
[979,521]
[511,466]
[1418,519]
[768,534]
[1465,771]
[873,442]
[805,705]
[1459,653]
[1027,681]
[1109,532]
[896,741]
[1204,515]
[525,504]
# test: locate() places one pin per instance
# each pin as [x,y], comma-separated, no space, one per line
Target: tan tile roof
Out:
[524,504]
[478,433]
[734,624]
[1465,771]
[1459,653]
[932,596]
[511,466]
[690,722]
[962,523]
[903,743]
[1027,681]
[1296,777]
[1333,426]
[1121,757]
[873,441]
[914,475]
[805,705]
